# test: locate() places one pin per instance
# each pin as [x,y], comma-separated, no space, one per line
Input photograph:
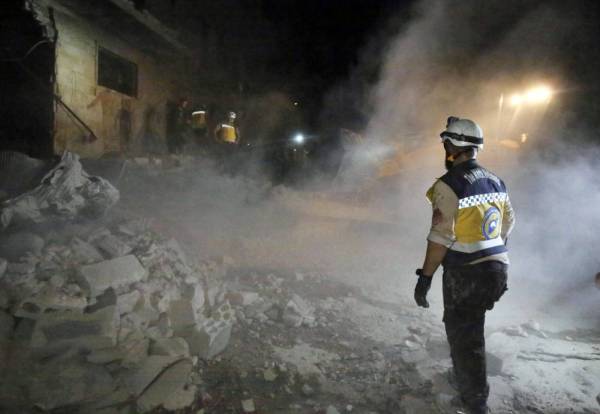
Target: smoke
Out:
[462,58]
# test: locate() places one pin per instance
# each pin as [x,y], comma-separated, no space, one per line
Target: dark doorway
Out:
[27,72]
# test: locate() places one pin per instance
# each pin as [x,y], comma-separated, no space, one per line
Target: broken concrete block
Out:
[64,192]
[171,380]
[114,273]
[4,300]
[413,405]
[515,331]
[128,301]
[49,298]
[297,312]
[170,347]
[81,330]
[112,246]
[3,266]
[65,383]
[7,325]
[83,252]
[332,410]
[15,246]
[106,298]
[181,398]
[494,364]
[248,406]
[181,315]
[22,268]
[209,339]
[139,379]
[223,313]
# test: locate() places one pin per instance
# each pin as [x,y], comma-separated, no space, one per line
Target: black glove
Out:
[422,288]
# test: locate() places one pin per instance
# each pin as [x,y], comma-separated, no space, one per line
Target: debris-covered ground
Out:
[136,311]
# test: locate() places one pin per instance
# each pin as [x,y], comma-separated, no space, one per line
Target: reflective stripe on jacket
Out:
[478,222]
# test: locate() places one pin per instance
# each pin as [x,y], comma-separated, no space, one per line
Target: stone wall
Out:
[101,108]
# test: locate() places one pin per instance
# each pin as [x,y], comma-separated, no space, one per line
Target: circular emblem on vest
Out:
[491,223]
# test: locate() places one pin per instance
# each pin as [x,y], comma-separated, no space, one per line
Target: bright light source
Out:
[295,103]
[516,100]
[539,94]
[299,139]
[534,96]
[523,137]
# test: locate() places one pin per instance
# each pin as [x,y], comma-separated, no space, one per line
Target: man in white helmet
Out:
[472,218]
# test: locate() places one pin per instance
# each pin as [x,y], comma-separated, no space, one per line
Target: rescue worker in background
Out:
[472,218]
[199,125]
[227,132]
[183,123]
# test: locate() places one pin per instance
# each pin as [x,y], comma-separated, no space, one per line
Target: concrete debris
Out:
[113,318]
[248,406]
[180,399]
[3,267]
[170,347]
[169,382]
[209,339]
[112,246]
[298,312]
[14,246]
[139,380]
[26,267]
[79,330]
[127,302]
[115,273]
[50,298]
[332,410]
[64,193]
[83,252]
[77,383]
[182,316]
[494,364]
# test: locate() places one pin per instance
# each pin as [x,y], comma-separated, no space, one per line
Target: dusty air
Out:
[299,207]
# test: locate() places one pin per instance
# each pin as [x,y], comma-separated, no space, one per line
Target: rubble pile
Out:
[66,191]
[106,317]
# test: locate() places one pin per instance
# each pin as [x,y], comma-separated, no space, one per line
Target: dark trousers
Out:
[469,291]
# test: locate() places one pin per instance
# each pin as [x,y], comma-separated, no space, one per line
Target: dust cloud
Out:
[453,58]
[463,59]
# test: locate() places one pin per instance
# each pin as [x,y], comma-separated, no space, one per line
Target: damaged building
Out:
[92,79]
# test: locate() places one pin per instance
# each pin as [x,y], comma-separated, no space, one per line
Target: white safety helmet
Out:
[463,133]
[232,115]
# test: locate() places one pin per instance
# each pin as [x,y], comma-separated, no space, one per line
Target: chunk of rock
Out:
[171,380]
[412,405]
[181,398]
[208,339]
[248,406]
[170,347]
[83,252]
[332,410]
[115,273]
[81,330]
[112,246]
[3,266]
[7,324]
[181,315]
[138,380]
[49,298]
[494,364]
[297,312]
[71,382]
[17,245]
[128,301]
